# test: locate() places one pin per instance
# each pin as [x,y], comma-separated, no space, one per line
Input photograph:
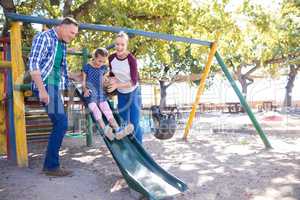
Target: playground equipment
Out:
[16,129]
[31,131]
[38,125]
[138,168]
[15,122]
[164,123]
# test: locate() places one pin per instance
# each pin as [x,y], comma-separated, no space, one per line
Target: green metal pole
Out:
[89,135]
[243,102]
[89,138]
[22,87]
[85,56]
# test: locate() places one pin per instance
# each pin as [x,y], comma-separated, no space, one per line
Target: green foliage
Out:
[274,36]
[176,60]
[249,33]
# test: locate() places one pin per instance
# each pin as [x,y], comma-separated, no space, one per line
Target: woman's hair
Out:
[99,52]
[122,34]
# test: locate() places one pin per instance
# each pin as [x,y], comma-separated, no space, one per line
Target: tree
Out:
[165,72]
[163,16]
[272,39]
[289,33]
[267,40]
[252,45]
[8,6]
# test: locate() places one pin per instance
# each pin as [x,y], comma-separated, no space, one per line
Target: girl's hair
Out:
[122,34]
[99,51]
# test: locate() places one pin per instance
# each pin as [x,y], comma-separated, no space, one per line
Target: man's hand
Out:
[44,97]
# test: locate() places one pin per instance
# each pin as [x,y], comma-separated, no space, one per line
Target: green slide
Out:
[139,169]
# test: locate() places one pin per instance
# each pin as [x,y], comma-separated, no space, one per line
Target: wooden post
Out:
[18,71]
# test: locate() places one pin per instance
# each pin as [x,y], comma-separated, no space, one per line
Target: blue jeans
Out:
[129,107]
[59,119]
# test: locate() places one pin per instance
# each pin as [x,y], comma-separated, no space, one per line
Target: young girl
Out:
[124,67]
[93,78]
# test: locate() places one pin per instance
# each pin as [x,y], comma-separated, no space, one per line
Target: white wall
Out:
[221,92]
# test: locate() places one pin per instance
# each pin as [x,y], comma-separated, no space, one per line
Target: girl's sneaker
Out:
[108,132]
[123,132]
[120,133]
[129,129]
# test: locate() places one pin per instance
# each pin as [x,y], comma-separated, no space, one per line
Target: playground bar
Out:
[22,87]
[243,102]
[201,87]
[3,119]
[5,43]
[89,135]
[11,137]
[18,69]
[162,36]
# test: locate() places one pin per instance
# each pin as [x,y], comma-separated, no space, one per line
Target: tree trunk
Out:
[243,82]
[67,8]
[245,79]
[163,94]
[83,9]
[8,6]
[289,86]
[54,2]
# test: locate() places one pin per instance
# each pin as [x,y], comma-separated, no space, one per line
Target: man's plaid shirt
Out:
[42,56]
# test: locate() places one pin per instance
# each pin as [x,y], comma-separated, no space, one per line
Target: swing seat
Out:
[164,124]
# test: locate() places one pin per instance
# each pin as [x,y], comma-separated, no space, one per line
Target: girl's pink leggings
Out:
[104,107]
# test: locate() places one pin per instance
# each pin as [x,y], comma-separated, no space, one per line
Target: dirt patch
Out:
[233,166]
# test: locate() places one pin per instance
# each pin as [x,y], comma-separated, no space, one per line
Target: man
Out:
[48,69]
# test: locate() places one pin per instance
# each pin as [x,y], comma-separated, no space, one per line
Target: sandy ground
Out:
[215,165]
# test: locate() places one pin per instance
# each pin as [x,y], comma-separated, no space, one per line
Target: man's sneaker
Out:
[108,132]
[58,172]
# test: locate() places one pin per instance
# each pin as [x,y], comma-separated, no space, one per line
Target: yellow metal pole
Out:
[201,87]
[3,146]
[18,71]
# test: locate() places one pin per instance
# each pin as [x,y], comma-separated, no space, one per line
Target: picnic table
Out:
[234,107]
[267,106]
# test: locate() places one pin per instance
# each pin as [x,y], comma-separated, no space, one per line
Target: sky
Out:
[233,4]
[271,5]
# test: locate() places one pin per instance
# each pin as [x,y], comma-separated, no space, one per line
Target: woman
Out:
[123,66]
